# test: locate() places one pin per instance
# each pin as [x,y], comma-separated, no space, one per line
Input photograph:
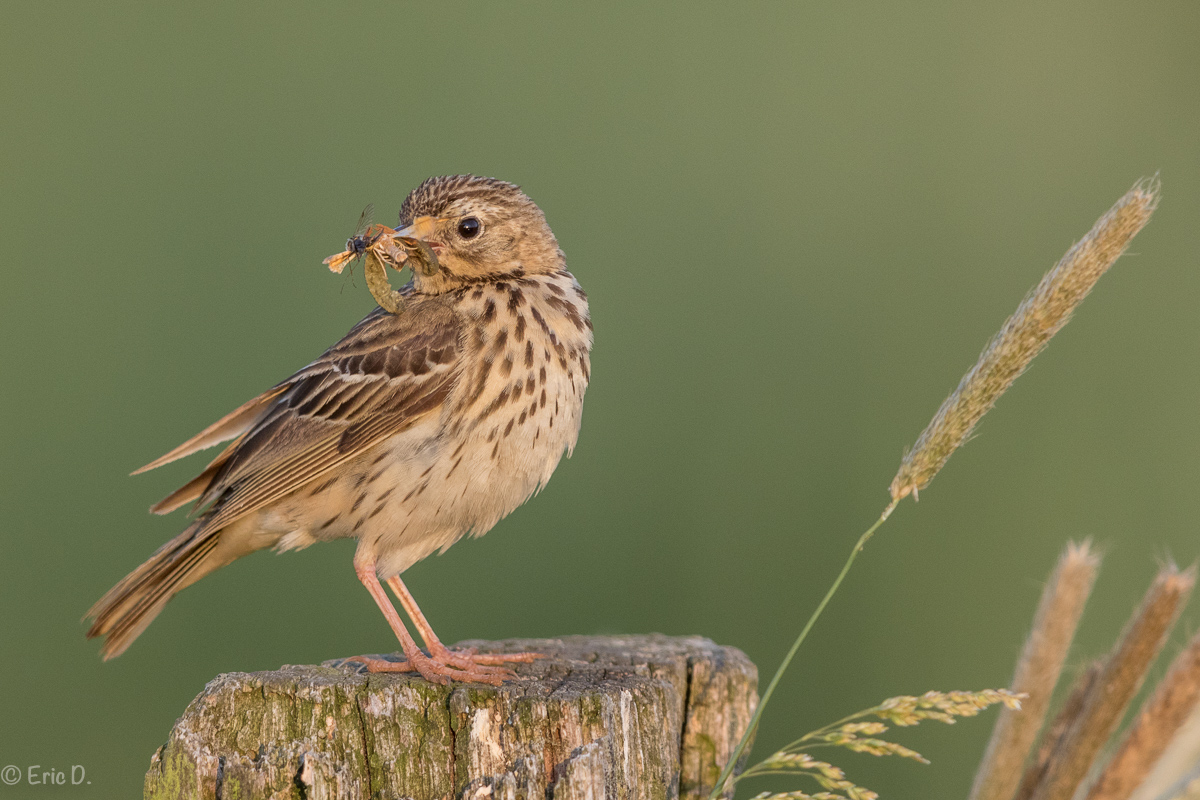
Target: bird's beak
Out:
[421,229]
[418,249]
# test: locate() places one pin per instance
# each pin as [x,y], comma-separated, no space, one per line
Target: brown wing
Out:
[385,375]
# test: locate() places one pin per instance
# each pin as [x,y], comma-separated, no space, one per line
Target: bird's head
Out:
[479,229]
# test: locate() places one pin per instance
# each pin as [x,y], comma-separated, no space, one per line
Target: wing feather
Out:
[383,377]
[230,426]
[193,489]
[284,477]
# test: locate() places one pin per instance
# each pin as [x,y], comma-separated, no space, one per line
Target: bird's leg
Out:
[463,659]
[430,669]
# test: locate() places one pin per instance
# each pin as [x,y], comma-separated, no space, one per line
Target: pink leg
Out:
[430,669]
[464,659]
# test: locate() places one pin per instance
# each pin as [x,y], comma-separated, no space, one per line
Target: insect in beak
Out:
[420,255]
[384,247]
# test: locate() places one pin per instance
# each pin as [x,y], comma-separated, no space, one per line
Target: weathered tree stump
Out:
[602,717]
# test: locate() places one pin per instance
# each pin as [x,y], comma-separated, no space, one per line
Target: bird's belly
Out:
[423,489]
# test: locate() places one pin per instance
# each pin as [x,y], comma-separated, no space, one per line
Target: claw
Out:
[468,659]
[450,665]
[501,658]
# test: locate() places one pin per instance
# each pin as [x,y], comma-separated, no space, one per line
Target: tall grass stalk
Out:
[1043,312]
[787,659]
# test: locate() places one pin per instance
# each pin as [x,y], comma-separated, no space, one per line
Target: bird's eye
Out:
[469,228]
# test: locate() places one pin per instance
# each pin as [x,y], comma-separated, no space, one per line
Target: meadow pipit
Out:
[410,432]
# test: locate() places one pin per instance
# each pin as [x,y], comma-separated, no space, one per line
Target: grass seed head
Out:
[1043,312]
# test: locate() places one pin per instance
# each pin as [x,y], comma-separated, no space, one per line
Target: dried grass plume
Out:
[1042,313]
[1178,767]
[1160,718]
[1124,671]
[1086,682]
[1037,672]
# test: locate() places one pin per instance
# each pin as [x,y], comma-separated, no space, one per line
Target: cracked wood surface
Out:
[603,717]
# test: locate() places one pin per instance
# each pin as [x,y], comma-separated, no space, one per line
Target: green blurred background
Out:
[797,225]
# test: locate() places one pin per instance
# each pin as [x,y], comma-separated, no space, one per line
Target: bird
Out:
[413,431]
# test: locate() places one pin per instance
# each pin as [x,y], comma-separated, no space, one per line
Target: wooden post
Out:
[602,717]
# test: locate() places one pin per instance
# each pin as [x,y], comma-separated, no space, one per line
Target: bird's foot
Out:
[445,665]
[471,658]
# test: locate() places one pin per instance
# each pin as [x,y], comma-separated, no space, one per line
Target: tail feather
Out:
[127,608]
